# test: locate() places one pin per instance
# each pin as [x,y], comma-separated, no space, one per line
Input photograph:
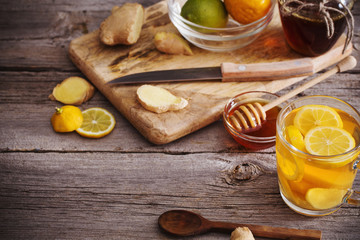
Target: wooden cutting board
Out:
[102,63]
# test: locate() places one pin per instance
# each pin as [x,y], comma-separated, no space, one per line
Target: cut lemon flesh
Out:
[295,137]
[310,116]
[325,198]
[97,123]
[327,141]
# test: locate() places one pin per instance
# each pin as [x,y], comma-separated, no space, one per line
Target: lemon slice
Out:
[97,123]
[291,166]
[310,116]
[327,141]
[325,198]
[295,137]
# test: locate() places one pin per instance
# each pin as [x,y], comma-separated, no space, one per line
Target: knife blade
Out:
[227,72]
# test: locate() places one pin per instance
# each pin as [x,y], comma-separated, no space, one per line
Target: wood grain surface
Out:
[63,186]
[102,63]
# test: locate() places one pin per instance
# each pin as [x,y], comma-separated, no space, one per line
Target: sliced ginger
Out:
[325,198]
[123,26]
[242,233]
[73,90]
[159,100]
[171,43]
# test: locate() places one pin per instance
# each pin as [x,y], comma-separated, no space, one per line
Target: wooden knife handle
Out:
[232,72]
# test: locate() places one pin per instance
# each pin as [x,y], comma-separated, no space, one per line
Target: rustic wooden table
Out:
[63,186]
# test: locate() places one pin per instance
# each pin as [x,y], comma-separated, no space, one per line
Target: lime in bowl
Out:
[219,37]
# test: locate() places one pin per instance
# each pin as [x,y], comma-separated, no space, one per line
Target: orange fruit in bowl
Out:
[247,11]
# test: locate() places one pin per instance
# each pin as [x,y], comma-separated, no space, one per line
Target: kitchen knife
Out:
[227,72]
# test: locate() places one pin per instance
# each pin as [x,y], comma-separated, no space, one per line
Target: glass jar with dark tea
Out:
[312,27]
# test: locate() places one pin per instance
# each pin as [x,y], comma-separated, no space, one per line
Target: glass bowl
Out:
[232,37]
[264,136]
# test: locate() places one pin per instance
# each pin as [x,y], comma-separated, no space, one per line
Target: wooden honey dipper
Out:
[250,116]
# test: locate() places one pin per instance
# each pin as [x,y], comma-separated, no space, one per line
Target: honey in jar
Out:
[306,29]
[260,137]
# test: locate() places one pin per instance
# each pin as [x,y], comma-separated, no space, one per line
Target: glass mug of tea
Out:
[317,149]
[312,27]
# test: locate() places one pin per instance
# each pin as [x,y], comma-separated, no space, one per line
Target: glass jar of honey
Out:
[312,27]
[260,137]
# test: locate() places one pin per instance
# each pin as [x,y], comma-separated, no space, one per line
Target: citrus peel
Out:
[208,13]
[247,11]
[66,119]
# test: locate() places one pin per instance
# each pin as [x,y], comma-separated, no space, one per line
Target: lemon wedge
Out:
[97,123]
[327,141]
[310,116]
[325,198]
[295,137]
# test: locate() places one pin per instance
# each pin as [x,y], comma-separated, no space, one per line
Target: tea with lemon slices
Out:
[315,158]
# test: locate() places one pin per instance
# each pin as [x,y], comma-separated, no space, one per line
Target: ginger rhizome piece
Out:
[73,90]
[242,233]
[123,26]
[159,100]
[171,43]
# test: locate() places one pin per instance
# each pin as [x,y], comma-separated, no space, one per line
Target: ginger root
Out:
[123,26]
[73,91]
[171,43]
[242,233]
[159,100]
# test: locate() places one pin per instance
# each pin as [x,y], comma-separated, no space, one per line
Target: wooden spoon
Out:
[186,223]
[249,117]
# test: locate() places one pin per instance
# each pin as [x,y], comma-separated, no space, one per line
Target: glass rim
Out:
[314,156]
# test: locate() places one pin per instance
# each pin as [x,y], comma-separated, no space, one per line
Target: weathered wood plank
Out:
[36,35]
[67,5]
[50,55]
[51,195]
[63,186]
[28,126]
[30,130]
[49,19]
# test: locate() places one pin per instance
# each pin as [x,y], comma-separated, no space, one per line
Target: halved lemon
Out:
[295,137]
[310,116]
[97,123]
[327,141]
[66,119]
[325,198]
